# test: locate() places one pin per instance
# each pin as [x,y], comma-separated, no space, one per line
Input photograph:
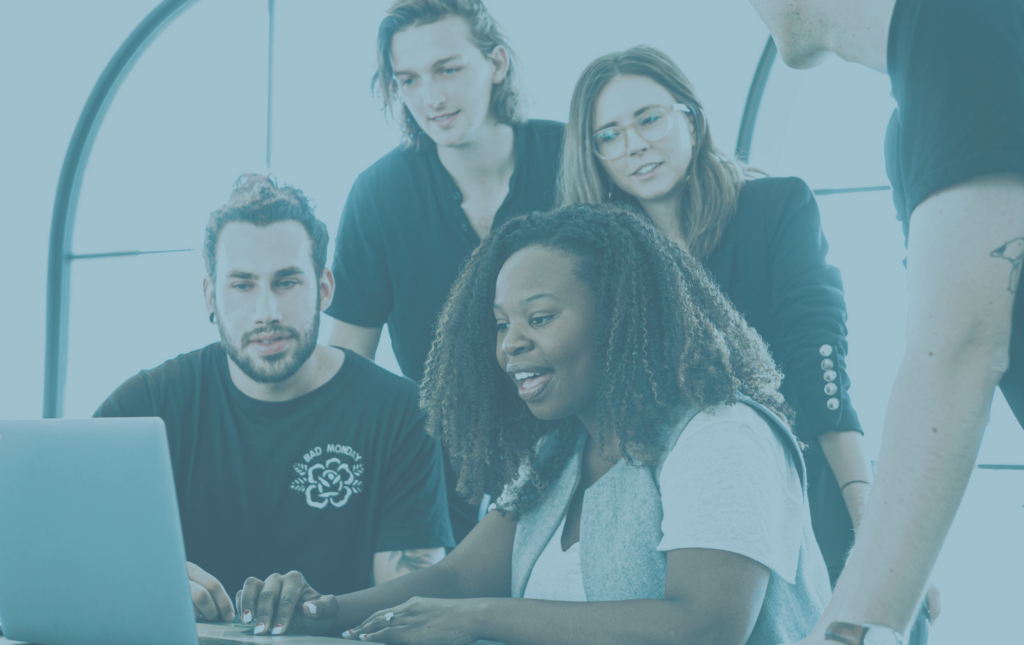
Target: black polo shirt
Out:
[404,237]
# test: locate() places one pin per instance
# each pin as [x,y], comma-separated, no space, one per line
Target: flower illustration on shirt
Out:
[331,482]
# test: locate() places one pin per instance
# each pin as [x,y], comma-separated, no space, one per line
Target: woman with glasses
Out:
[637,133]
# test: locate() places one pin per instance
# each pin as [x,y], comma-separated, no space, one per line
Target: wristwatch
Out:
[855,634]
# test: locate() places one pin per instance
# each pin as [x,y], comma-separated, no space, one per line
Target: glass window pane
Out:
[826,125]
[189,118]
[129,314]
[192,116]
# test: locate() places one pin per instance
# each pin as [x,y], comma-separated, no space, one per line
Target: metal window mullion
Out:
[66,201]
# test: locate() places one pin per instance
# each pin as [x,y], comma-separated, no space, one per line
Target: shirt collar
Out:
[429,148]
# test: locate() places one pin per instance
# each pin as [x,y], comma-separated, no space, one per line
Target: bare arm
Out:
[711,597]
[388,565]
[361,340]
[480,566]
[958,335]
[845,453]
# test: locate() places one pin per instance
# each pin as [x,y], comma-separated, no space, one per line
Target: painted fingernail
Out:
[260,628]
[348,633]
[246,616]
[363,637]
[278,628]
[311,607]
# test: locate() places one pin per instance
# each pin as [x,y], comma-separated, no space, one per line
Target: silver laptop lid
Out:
[91,550]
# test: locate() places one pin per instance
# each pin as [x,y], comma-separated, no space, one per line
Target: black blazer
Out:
[772,264]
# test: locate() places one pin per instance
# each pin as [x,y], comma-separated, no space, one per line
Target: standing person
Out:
[955,157]
[653,493]
[469,161]
[277,441]
[637,133]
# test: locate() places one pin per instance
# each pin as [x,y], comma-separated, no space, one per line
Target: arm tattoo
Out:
[1012,252]
[412,560]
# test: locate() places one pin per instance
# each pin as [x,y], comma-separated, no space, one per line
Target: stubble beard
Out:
[276,367]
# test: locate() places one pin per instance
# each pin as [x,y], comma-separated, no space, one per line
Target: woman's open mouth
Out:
[532,384]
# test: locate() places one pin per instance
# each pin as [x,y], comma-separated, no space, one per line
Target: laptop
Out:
[91,549]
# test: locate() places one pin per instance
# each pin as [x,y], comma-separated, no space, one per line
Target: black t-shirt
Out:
[957,71]
[404,237]
[317,484]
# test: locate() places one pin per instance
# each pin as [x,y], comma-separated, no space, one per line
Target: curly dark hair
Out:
[258,200]
[666,339]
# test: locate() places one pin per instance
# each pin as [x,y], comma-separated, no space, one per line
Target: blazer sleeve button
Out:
[825,350]
[827,364]
[830,389]
[832,404]
[829,376]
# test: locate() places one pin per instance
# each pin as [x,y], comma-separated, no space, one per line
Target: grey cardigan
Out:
[620,531]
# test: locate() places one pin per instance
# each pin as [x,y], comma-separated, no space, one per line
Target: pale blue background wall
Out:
[193,114]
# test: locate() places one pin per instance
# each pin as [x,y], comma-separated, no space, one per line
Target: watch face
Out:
[877,635]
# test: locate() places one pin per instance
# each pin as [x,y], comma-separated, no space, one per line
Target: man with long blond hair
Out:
[469,161]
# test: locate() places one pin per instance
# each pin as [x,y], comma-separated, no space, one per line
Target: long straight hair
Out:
[507,102]
[714,179]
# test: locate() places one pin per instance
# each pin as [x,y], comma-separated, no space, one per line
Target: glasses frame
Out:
[675,107]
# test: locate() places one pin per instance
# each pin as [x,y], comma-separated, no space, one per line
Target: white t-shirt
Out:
[557,575]
[728,484]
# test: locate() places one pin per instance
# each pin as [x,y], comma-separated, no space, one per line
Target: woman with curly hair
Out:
[638,134]
[592,368]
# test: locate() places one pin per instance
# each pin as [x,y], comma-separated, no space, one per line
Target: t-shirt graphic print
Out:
[326,479]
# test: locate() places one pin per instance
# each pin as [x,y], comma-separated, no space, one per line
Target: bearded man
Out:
[287,454]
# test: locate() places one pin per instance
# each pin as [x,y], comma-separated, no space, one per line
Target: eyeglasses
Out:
[652,124]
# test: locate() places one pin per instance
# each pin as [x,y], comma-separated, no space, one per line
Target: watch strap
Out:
[855,634]
[846,633]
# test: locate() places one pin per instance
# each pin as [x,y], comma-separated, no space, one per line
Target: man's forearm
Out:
[933,428]
[961,290]
[388,565]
